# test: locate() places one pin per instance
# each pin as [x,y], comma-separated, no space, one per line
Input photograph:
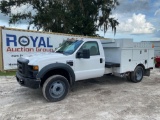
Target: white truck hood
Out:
[38,58]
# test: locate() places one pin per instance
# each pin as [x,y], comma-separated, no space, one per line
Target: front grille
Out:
[22,66]
[19,67]
[24,69]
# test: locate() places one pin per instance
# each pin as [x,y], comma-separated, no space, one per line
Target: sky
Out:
[139,20]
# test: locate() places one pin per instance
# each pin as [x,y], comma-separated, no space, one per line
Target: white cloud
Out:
[136,25]
[23,9]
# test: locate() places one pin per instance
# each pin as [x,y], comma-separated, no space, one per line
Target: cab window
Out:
[92,46]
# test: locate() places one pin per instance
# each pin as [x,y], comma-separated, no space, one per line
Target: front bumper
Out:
[27,82]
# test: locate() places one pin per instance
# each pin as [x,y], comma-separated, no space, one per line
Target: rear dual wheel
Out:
[137,75]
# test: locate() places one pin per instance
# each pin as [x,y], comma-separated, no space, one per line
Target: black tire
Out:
[137,75]
[55,88]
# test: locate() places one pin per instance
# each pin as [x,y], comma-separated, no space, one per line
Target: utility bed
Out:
[122,55]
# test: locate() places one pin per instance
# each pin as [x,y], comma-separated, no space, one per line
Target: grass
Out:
[8,73]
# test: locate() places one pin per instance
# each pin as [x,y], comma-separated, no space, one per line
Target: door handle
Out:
[101,60]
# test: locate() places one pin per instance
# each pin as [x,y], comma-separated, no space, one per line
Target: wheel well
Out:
[55,72]
[141,66]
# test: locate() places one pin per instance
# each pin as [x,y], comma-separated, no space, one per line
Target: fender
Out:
[53,66]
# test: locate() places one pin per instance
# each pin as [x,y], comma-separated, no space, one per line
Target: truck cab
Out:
[74,60]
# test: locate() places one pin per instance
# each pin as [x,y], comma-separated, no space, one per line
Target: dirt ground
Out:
[106,98]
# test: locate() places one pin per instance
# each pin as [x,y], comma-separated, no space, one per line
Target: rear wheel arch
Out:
[141,65]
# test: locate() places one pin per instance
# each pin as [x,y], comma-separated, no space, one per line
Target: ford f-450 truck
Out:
[83,59]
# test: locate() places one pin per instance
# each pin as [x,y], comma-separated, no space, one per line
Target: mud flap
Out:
[147,72]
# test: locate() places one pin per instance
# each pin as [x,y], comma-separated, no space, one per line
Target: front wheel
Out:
[55,88]
[137,75]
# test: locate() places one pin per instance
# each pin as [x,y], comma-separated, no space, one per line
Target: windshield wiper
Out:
[59,51]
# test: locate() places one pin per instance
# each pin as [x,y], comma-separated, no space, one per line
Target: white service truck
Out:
[83,59]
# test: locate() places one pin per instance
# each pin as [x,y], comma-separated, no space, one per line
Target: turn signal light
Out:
[35,67]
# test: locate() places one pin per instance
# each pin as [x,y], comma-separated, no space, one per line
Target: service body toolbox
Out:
[128,54]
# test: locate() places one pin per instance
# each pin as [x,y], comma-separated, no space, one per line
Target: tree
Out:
[83,17]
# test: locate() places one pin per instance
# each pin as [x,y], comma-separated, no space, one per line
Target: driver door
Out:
[92,67]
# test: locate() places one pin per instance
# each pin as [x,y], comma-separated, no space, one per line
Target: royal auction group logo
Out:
[16,43]
[24,41]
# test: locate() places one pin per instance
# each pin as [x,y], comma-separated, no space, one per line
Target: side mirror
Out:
[84,54]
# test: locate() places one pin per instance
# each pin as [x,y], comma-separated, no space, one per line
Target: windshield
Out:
[69,47]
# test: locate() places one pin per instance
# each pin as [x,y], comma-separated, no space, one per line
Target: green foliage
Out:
[65,16]
[8,73]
